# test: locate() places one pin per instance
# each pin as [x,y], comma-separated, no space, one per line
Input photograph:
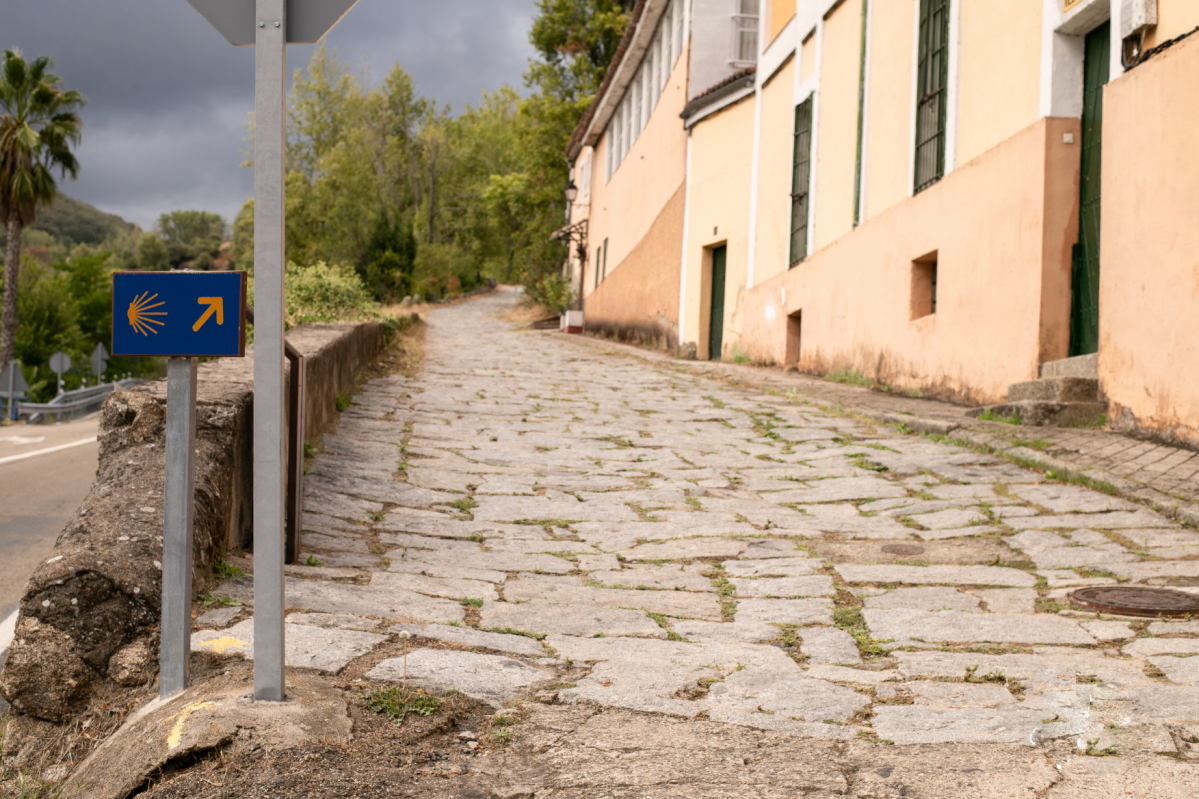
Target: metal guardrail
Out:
[81,401]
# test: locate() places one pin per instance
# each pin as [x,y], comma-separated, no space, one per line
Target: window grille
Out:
[800,180]
[679,10]
[745,32]
[931,99]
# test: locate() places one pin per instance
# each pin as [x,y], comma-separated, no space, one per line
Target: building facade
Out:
[942,195]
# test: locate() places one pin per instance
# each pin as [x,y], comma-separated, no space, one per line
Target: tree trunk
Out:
[12,271]
[432,197]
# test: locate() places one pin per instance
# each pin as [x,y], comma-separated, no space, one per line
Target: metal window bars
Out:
[800,180]
[931,101]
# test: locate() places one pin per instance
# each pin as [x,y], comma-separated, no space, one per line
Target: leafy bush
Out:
[323,293]
[552,291]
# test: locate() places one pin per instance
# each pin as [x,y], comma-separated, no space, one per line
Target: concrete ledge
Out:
[90,613]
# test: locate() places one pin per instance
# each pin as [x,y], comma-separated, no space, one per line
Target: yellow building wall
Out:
[1149,258]
[781,12]
[1002,227]
[774,174]
[624,210]
[888,144]
[721,160]
[1174,18]
[1000,83]
[807,58]
[836,147]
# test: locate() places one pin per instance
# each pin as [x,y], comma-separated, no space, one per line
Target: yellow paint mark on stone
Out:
[176,735]
[220,645]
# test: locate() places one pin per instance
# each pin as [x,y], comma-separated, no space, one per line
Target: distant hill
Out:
[75,222]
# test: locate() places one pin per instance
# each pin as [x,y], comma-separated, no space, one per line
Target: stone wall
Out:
[91,612]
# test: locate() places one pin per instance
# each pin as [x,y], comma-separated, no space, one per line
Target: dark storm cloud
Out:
[167,97]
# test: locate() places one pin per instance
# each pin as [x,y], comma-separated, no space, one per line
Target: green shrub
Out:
[323,293]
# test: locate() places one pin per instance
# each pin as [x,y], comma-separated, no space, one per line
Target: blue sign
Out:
[179,314]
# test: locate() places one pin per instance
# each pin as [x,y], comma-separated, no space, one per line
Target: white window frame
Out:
[739,26]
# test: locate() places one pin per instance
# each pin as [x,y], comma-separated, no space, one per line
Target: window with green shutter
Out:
[931,99]
[801,171]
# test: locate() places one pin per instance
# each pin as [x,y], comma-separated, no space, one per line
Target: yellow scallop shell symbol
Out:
[141,312]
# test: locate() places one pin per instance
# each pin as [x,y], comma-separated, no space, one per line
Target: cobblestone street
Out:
[699,589]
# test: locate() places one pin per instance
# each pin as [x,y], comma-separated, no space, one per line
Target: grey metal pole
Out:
[270,441]
[178,517]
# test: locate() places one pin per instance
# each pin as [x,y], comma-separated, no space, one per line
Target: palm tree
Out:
[38,125]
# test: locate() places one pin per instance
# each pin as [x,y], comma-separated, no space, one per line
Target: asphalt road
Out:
[45,473]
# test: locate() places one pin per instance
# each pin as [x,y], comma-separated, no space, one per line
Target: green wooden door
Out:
[716,323]
[1084,311]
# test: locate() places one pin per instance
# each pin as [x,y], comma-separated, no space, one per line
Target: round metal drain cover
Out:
[1136,600]
[903,549]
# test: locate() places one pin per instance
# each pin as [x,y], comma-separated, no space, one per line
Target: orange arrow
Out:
[215,305]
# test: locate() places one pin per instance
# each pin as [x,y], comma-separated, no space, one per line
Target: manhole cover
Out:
[903,549]
[1133,600]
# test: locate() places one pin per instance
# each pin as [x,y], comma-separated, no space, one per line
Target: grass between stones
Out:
[662,622]
[725,590]
[397,703]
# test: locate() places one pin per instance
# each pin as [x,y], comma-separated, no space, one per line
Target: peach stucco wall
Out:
[1002,226]
[772,251]
[1149,257]
[640,301]
[623,210]
[718,214]
[837,126]
[1000,72]
[1174,18]
[781,12]
[888,142]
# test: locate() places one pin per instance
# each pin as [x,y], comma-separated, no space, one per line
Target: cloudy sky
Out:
[167,97]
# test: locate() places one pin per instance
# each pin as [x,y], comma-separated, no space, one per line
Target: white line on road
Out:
[47,451]
[8,628]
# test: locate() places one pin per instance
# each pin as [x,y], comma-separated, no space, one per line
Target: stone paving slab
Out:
[467,636]
[736,632]
[493,561]
[542,618]
[401,564]
[1110,521]
[334,621]
[327,650]
[932,598]
[570,592]
[956,665]
[933,575]
[667,578]
[915,724]
[687,548]
[784,587]
[365,600]
[1009,600]
[435,586]
[489,678]
[786,611]
[931,693]
[952,625]
[773,567]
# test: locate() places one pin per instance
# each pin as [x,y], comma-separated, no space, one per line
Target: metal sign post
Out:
[183,315]
[99,362]
[12,386]
[60,364]
[270,25]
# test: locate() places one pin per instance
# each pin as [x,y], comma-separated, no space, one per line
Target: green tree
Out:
[152,253]
[39,124]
